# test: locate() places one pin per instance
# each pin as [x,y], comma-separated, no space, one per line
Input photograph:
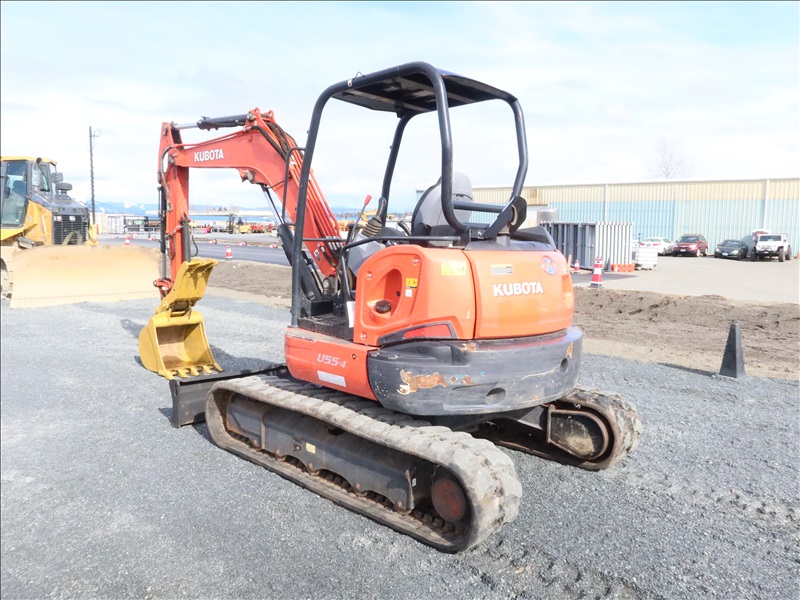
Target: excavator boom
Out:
[174,342]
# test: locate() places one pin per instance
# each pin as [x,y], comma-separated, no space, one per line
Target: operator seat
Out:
[19,188]
[428,218]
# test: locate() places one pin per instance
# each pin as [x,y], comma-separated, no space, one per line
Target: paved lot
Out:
[762,281]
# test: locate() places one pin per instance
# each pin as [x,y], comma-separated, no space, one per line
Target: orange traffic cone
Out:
[127,240]
[242,244]
[597,274]
[576,268]
[228,252]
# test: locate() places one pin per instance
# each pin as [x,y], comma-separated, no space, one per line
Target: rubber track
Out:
[620,414]
[486,472]
[616,409]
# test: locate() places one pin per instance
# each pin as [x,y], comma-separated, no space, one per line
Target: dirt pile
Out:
[689,331]
[685,331]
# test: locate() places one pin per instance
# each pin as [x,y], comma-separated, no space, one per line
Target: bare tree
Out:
[670,161]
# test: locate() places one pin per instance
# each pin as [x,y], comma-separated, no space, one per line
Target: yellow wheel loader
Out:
[48,250]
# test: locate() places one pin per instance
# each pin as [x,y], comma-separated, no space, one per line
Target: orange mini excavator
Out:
[410,353]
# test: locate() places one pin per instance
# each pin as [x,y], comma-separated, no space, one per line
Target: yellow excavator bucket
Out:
[52,275]
[174,343]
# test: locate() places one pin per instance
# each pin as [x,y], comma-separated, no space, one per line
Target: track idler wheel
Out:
[579,433]
[449,498]
[586,429]
[593,429]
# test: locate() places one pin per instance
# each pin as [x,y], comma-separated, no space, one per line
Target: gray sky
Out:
[601,84]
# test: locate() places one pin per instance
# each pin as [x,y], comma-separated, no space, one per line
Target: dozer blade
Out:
[174,343]
[53,275]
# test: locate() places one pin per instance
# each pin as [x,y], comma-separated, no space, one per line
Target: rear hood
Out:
[521,293]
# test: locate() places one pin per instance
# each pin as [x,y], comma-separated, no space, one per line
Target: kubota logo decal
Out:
[549,265]
[204,155]
[518,288]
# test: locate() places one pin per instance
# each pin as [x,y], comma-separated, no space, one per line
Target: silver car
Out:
[662,245]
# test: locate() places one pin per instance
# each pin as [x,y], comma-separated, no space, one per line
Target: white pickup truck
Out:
[770,245]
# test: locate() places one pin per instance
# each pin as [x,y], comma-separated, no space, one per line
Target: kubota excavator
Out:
[48,254]
[408,353]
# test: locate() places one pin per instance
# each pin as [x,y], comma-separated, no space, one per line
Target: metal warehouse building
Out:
[716,209]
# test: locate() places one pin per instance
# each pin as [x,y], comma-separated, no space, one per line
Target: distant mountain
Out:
[116,208]
[152,209]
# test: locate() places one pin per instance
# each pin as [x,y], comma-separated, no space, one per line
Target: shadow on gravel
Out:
[689,369]
[200,428]
[132,327]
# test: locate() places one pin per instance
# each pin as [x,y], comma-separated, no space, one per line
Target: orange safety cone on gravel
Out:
[127,240]
[228,252]
[597,274]
[576,268]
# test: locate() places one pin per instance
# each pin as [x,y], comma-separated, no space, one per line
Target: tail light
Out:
[566,289]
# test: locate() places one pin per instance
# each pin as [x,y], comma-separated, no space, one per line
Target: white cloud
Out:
[600,84]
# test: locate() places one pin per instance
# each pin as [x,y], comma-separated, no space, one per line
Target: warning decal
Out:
[454,269]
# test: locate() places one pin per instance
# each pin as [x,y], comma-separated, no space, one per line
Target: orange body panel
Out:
[328,361]
[521,293]
[250,151]
[423,286]
[480,294]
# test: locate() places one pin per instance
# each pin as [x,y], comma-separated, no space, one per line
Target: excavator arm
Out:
[174,342]
[263,154]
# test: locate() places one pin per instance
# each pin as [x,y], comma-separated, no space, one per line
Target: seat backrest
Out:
[19,187]
[428,218]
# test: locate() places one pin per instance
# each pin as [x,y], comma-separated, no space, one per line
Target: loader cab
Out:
[25,179]
[34,193]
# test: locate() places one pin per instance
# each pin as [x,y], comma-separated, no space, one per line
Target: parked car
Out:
[731,249]
[691,244]
[662,245]
[772,245]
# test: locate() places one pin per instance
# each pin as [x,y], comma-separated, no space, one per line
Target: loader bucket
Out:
[52,275]
[174,343]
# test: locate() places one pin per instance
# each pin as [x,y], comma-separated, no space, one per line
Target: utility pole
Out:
[91,167]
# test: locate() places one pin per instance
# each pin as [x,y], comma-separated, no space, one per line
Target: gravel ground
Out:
[102,498]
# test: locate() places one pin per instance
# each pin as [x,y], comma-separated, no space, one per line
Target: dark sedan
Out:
[731,249]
